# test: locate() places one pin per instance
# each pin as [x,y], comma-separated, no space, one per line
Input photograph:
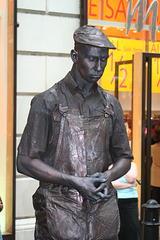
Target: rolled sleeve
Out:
[119,144]
[34,138]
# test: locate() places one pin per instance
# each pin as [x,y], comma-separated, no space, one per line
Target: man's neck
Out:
[85,86]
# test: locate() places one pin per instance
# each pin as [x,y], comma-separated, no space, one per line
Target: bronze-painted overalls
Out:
[81,151]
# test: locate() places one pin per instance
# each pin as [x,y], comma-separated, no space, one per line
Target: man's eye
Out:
[104,59]
[91,59]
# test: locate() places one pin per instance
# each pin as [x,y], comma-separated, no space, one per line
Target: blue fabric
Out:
[130,192]
[1,235]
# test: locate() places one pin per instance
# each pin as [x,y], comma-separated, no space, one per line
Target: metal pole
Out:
[151,220]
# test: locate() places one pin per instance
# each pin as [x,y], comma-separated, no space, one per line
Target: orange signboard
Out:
[114,14]
[93,9]
[114,10]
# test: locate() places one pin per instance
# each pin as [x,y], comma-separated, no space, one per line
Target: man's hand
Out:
[103,189]
[120,168]
[87,187]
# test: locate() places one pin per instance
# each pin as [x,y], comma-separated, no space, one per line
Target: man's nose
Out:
[98,66]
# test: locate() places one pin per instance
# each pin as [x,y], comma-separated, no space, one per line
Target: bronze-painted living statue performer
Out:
[72,131]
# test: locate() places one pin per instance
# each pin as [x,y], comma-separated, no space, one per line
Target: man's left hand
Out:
[103,189]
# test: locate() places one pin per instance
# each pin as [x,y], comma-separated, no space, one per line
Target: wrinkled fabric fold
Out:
[80,152]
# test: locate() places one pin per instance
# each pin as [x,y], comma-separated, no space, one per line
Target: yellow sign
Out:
[155,48]
[125,49]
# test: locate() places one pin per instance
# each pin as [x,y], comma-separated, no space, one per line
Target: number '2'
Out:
[121,85]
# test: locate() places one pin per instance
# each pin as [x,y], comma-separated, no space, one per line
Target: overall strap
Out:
[63,110]
[106,99]
[54,91]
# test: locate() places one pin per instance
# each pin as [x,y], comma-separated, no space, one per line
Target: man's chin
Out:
[95,78]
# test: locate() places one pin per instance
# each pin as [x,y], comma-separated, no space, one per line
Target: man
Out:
[72,130]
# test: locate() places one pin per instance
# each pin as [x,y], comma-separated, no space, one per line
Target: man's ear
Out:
[74,55]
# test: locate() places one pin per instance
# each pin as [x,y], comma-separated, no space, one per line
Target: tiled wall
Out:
[44,42]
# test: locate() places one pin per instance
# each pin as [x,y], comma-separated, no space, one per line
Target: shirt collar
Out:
[73,86]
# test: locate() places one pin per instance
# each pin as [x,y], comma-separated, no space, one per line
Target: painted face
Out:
[92,62]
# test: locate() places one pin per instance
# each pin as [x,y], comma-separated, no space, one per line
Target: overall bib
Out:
[62,213]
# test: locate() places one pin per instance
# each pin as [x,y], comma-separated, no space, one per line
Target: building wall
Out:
[44,41]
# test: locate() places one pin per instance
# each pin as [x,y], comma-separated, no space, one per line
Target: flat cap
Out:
[92,35]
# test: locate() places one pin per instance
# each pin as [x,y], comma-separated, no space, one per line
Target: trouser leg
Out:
[130,229]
